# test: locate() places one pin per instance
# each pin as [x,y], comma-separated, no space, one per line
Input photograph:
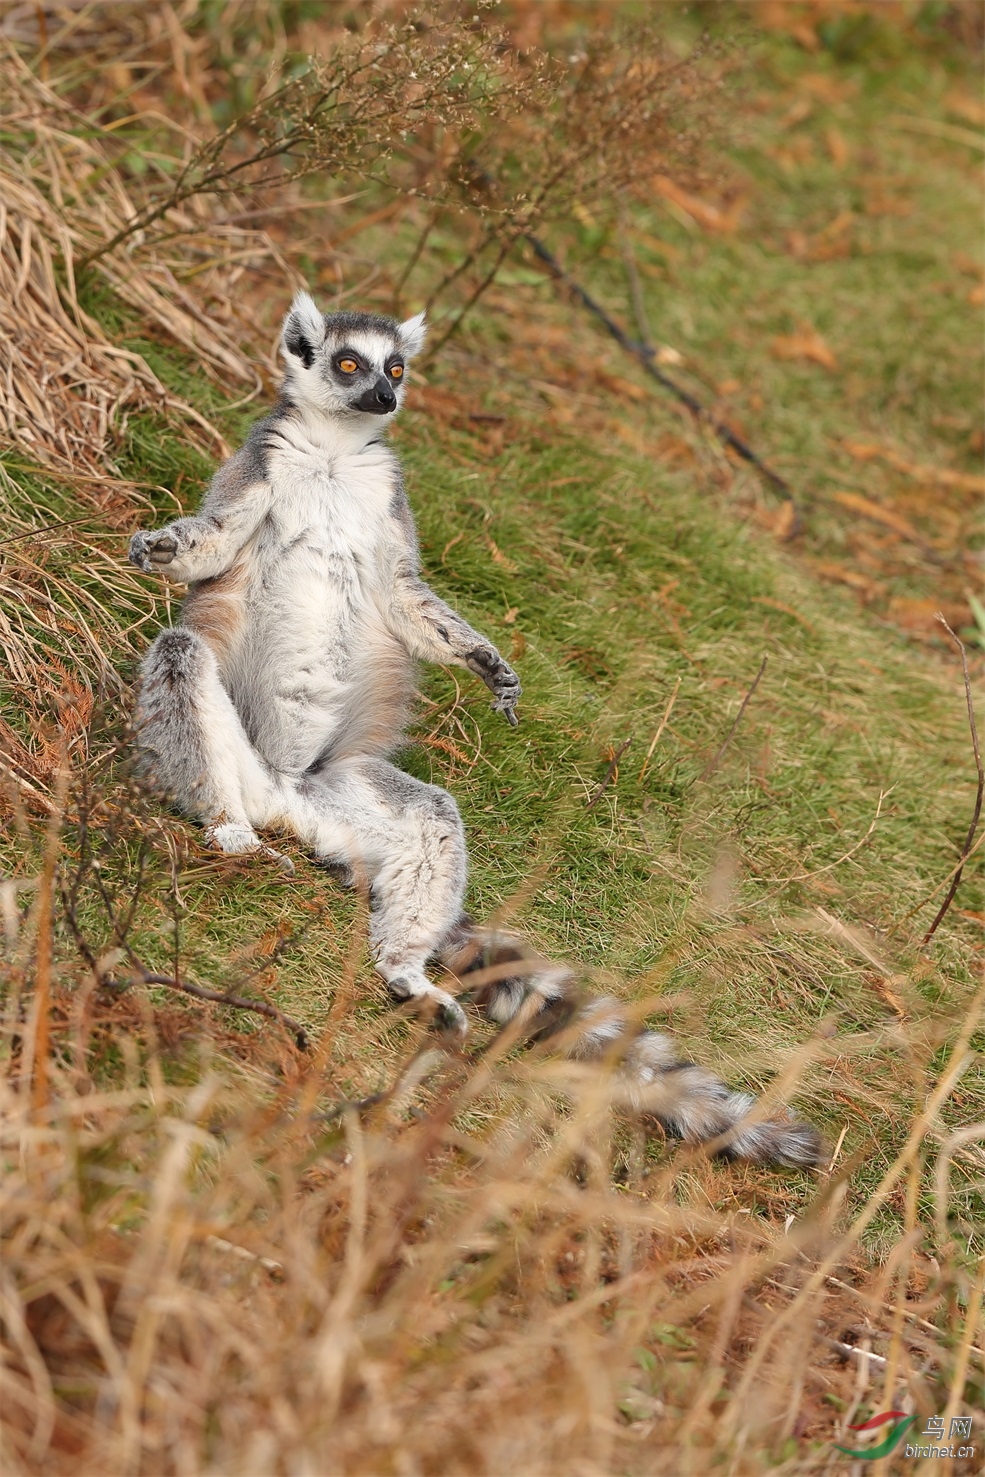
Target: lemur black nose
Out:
[380,400]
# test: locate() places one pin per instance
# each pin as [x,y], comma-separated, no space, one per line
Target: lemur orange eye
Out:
[396,370]
[348,366]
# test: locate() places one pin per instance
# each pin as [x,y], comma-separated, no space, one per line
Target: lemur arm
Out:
[204,546]
[434,632]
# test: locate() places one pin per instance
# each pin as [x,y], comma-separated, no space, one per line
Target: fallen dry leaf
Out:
[786,610]
[842,223]
[866,451]
[962,105]
[837,147]
[856,503]
[807,343]
[671,448]
[621,386]
[798,244]
[655,243]
[967,264]
[827,87]
[882,203]
[711,217]
[921,615]
[787,522]
[799,113]
[633,436]
[499,557]
[829,570]
[806,37]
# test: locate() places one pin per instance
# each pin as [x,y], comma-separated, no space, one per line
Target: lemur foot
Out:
[234,838]
[448,1017]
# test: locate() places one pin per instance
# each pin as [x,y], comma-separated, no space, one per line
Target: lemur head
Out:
[349,364]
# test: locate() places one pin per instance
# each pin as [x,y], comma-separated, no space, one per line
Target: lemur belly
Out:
[315,672]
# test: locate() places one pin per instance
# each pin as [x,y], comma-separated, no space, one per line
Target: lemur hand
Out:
[499,677]
[152,551]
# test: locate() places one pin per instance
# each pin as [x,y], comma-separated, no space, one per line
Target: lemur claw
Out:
[284,862]
[506,707]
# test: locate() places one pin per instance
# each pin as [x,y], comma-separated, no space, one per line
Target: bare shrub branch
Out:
[976,814]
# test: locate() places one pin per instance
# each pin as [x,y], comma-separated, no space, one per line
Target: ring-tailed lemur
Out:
[276,700]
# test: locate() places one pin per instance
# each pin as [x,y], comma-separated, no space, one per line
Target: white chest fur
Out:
[335,501]
[314,606]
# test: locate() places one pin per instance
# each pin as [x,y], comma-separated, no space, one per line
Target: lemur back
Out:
[289,678]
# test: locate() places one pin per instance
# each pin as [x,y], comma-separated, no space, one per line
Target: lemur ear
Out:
[412,335]
[304,330]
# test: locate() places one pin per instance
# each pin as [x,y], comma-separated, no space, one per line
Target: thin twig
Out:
[829,866]
[867,1297]
[919,907]
[851,1351]
[414,258]
[660,728]
[633,277]
[970,838]
[714,762]
[17,538]
[259,1007]
[607,777]
[647,357]
[473,298]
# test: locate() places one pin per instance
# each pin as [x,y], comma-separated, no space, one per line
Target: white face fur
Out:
[347,364]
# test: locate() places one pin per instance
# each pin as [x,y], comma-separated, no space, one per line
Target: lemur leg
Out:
[193,748]
[406,839]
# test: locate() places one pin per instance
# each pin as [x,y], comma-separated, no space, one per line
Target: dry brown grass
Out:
[67,395]
[67,389]
[483,1273]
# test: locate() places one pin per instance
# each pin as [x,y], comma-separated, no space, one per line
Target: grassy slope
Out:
[628,576]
